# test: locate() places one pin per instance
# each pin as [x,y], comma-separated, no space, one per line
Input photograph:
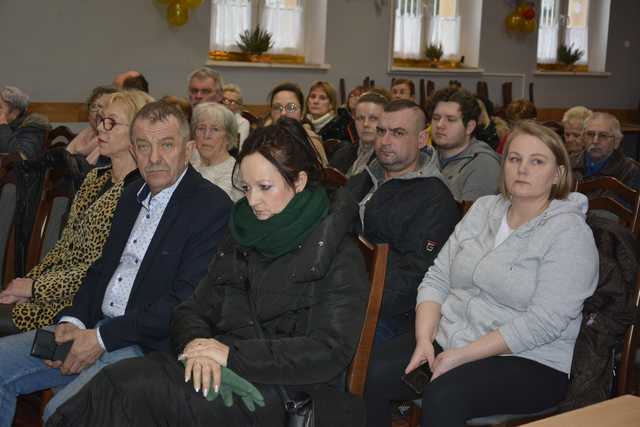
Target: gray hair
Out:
[160,111]
[218,115]
[206,73]
[614,123]
[15,98]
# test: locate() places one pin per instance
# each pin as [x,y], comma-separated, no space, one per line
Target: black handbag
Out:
[298,406]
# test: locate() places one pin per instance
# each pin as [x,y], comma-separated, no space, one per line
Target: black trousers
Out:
[495,385]
[7,327]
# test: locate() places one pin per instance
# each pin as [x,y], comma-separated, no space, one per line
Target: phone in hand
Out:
[418,378]
[45,346]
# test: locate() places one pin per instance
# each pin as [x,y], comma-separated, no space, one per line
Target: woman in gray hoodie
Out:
[499,311]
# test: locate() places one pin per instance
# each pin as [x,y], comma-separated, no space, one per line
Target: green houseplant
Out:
[434,52]
[568,55]
[255,42]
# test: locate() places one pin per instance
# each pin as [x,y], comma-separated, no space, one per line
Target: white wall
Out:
[57,50]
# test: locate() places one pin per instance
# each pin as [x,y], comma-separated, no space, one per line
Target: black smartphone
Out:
[418,378]
[45,346]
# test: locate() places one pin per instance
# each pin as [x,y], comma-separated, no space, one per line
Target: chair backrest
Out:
[332,177]
[627,366]
[464,206]
[376,260]
[59,135]
[506,94]
[7,208]
[49,219]
[626,215]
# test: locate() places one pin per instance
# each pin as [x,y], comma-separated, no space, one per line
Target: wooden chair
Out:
[332,177]
[482,90]
[423,95]
[343,91]
[253,120]
[507,88]
[376,259]
[464,206]
[626,215]
[531,97]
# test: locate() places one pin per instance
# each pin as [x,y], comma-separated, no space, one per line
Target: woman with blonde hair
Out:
[500,309]
[33,301]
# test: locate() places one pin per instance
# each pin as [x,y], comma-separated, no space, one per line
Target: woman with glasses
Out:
[215,131]
[232,99]
[33,301]
[287,100]
[85,143]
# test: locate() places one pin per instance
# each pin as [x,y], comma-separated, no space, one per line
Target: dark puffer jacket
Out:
[605,316]
[340,141]
[24,135]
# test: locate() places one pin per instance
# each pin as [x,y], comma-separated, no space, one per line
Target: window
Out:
[453,25]
[566,20]
[290,22]
[439,17]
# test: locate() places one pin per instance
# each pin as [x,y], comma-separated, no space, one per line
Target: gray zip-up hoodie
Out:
[530,287]
[473,173]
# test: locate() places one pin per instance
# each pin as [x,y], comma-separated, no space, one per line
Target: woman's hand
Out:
[206,347]
[204,373]
[423,353]
[17,291]
[447,360]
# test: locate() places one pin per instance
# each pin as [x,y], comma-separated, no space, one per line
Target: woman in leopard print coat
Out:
[33,301]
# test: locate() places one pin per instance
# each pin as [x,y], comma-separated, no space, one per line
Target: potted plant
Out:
[434,53]
[255,43]
[568,56]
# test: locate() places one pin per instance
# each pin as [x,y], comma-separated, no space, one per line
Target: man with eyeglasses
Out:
[603,155]
[470,166]
[405,202]
[205,85]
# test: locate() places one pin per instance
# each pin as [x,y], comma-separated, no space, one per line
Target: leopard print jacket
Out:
[58,276]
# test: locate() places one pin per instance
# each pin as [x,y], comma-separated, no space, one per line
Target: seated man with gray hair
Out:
[573,122]
[603,155]
[20,132]
[205,85]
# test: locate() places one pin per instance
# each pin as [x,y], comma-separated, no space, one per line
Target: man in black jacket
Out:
[405,202]
[20,132]
[163,235]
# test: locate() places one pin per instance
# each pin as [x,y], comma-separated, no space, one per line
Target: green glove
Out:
[234,383]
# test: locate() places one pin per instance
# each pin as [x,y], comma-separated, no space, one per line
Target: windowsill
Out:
[246,64]
[439,71]
[572,73]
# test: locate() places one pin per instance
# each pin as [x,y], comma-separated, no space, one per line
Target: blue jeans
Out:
[21,373]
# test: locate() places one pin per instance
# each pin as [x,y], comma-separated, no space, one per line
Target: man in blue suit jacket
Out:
[162,238]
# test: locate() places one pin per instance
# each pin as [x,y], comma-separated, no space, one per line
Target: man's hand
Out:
[84,351]
[17,291]
[65,332]
[209,347]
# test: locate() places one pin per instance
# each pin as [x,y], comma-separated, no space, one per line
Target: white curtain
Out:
[548,28]
[284,19]
[578,38]
[229,18]
[408,29]
[445,31]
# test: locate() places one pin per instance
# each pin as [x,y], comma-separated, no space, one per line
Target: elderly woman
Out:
[86,142]
[232,99]
[573,122]
[287,100]
[51,285]
[282,305]
[216,132]
[499,311]
[335,126]
[20,132]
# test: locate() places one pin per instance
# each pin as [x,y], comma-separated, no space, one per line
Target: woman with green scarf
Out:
[282,305]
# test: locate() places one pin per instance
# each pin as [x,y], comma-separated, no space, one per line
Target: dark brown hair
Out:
[412,86]
[466,100]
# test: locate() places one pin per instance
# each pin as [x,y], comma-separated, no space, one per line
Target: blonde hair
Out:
[552,141]
[579,113]
[131,99]
[326,88]
[232,87]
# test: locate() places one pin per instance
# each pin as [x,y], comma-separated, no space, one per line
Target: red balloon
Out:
[529,14]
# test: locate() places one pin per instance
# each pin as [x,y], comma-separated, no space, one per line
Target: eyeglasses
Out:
[229,101]
[203,131]
[108,123]
[289,108]
[94,108]
[395,132]
[591,135]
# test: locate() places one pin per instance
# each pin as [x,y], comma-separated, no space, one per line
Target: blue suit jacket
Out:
[176,260]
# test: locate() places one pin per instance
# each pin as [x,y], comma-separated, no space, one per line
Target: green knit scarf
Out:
[284,231]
